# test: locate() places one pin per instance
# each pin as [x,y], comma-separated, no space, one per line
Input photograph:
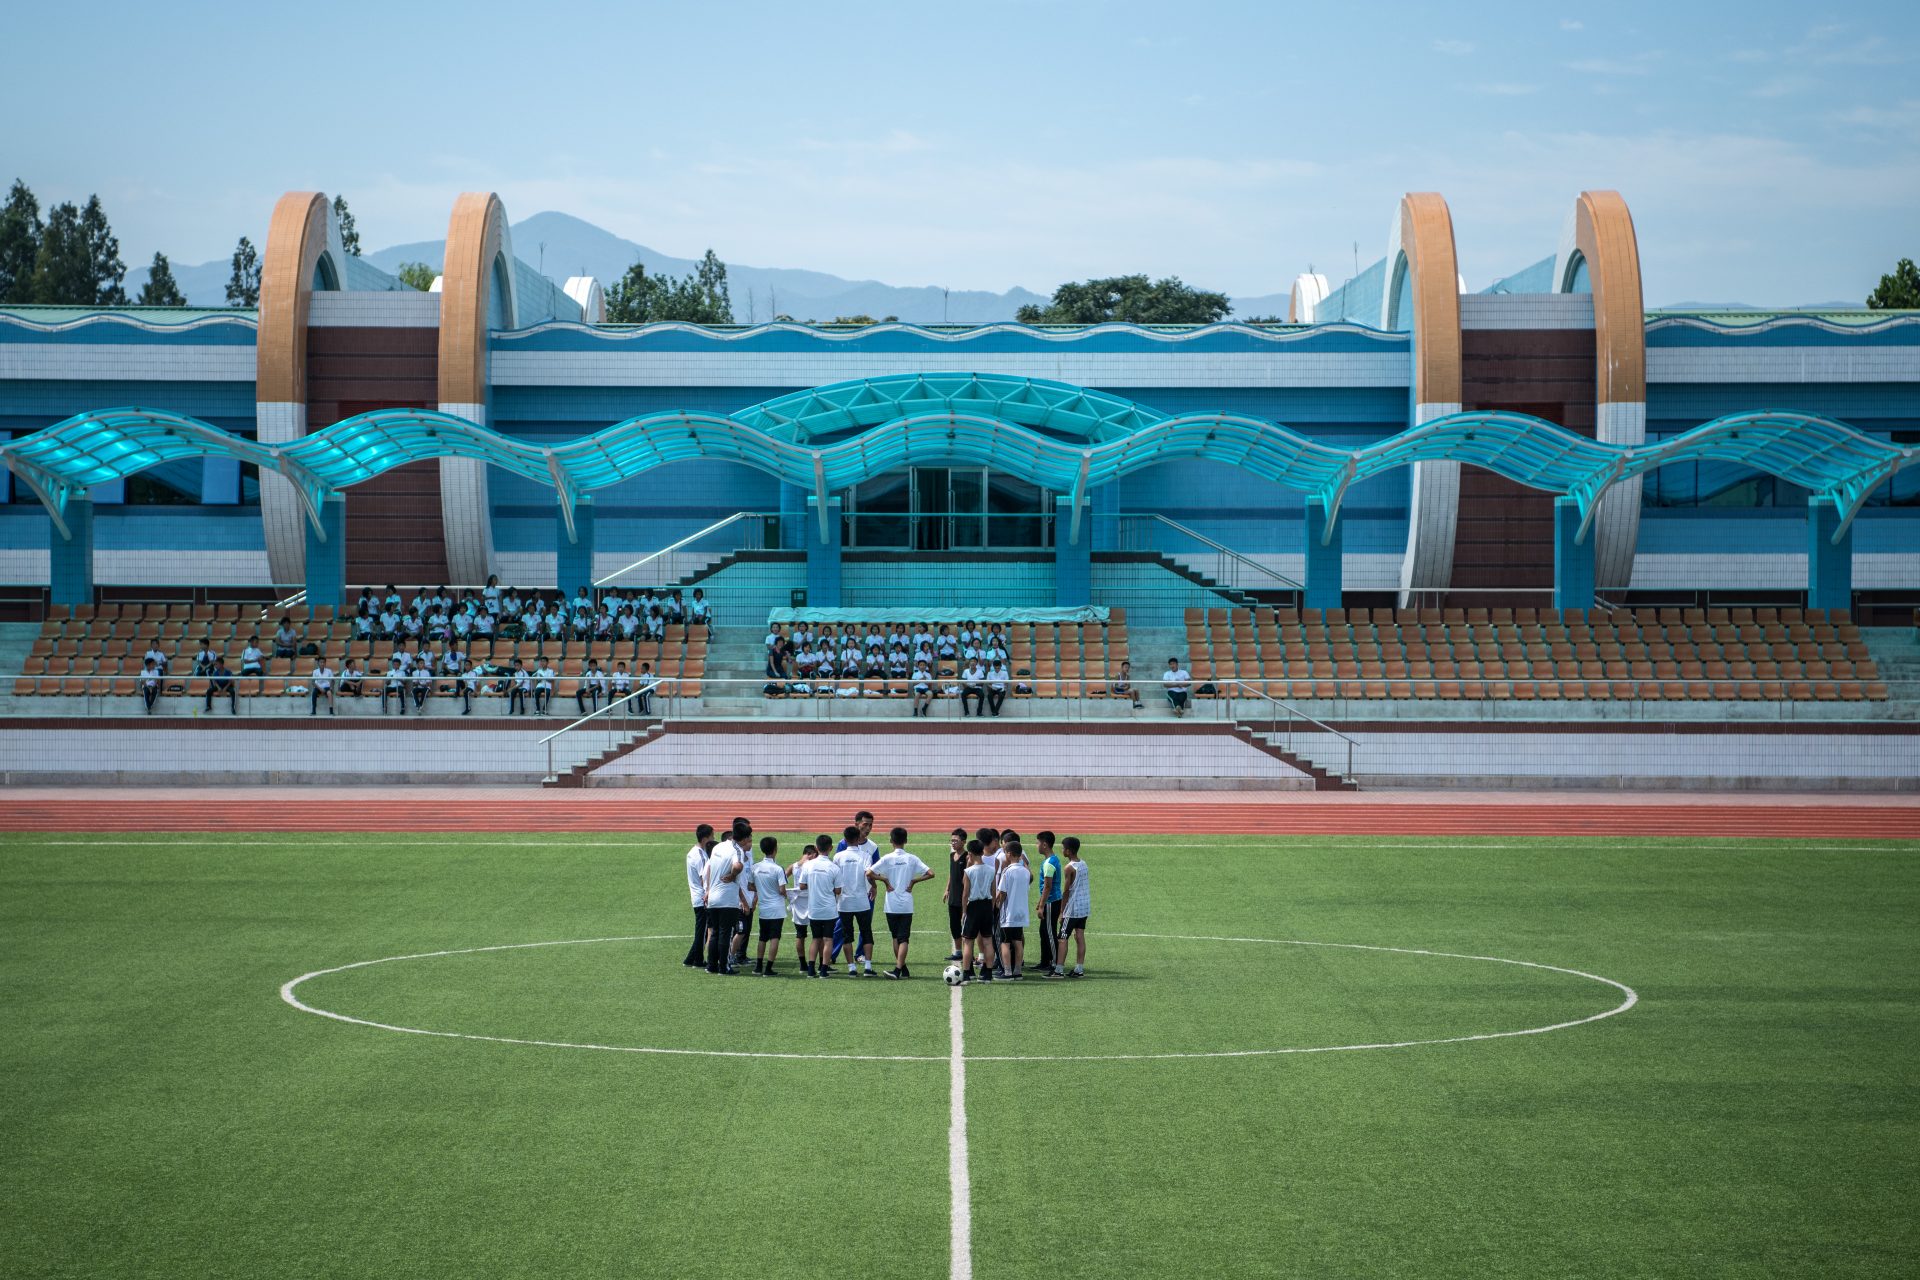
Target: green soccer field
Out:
[1755,1113]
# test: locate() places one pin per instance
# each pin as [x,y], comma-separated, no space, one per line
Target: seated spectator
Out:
[543,678]
[413,626]
[699,612]
[439,625]
[602,625]
[253,662]
[157,656]
[621,684]
[554,626]
[519,688]
[1123,687]
[646,683]
[469,684]
[656,624]
[491,592]
[777,661]
[582,601]
[592,689]
[421,678]
[220,683]
[351,678]
[898,665]
[676,608]
[997,678]
[946,647]
[973,688]
[203,661]
[483,627]
[150,684]
[320,686]
[460,627]
[1178,683]
[922,690]
[530,623]
[366,606]
[392,599]
[627,623]
[394,686]
[580,620]
[286,641]
[364,626]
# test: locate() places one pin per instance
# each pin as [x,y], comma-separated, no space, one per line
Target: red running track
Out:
[1175,813]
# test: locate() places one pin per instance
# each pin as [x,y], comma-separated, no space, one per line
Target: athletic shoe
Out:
[892,973]
[905,972]
[1078,973]
[953,955]
[869,972]
[1056,973]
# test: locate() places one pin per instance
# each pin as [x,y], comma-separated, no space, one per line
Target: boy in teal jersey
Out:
[1049,921]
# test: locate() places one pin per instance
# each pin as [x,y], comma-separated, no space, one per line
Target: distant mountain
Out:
[561,245]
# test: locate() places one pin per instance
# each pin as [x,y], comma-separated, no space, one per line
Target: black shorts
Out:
[1013,933]
[857,922]
[822,928]
[1072,923]
[771,928]
[979,921]
[900,925]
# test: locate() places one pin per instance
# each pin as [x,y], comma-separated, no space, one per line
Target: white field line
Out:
[287,994]
[673,843]
[1632,998]
[961,1213]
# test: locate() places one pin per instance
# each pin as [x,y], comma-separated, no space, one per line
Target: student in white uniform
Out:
[1010,899]
[899,871]
[543,687]
[820,880]
[1077,892]
[726,893]
[697,888]
[976,918]
[320,686]
[856,903]
[1178,682]
[797,907]
[770,905]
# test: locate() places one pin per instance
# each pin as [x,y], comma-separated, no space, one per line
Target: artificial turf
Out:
[1755,1114]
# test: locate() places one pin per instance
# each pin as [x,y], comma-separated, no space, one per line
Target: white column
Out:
[466,514]
[282,516]
[1433,513]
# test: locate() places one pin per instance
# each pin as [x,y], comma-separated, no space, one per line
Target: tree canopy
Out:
[416,275]
[700,297]
[160,290]
[243,286]
[1899,289]
[20,231]
[1134,298]
[349,234]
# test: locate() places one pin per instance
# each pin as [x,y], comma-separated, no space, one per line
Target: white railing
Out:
[1229,564]
[1293,713]
[754,540]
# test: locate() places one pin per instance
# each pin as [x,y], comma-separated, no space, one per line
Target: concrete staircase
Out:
[1324,779]
[576,775]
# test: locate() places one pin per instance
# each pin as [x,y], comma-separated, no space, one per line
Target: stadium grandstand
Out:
[1412,536]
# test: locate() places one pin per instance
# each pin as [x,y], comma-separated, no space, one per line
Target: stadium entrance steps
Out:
[965,756]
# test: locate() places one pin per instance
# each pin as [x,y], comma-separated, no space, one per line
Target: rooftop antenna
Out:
[943,304]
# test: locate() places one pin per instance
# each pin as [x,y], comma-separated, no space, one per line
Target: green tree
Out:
[107,271]
[349,234]
[62,270]
[20,231]
[416,275]
[700,297]
[243,286]
[1130,298]
[1899,290]
[160,290]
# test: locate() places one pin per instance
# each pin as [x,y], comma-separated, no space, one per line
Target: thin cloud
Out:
[1503,89]
[1641,64]
[1783,86]
[1572,24]
[1453,48]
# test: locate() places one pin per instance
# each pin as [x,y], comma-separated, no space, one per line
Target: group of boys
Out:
[829,892]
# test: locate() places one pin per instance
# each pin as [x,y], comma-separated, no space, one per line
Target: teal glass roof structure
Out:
[1053,434]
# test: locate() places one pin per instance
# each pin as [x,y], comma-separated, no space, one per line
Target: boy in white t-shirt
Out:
[770,894]
[1178,682]
[1010,901]
[899,871]
[819,879]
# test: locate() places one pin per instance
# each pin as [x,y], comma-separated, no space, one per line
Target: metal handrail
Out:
[713,528]
[622,701]
[1293,711]
[1218,548]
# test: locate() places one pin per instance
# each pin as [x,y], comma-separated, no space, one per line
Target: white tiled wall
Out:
[126,362]
[947,756]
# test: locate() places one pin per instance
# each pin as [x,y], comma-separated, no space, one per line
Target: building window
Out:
[948,509]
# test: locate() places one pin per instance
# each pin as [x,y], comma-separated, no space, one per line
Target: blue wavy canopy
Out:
[1058,436]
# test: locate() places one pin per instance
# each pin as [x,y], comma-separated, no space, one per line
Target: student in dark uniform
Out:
[953,895]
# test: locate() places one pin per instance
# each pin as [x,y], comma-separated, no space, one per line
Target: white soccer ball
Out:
[955,975]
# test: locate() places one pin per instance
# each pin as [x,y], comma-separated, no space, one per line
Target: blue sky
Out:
[1770,151]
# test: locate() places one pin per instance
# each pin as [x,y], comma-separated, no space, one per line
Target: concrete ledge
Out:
[981,782]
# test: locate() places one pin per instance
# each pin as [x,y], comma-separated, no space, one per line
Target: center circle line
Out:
[289,988]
